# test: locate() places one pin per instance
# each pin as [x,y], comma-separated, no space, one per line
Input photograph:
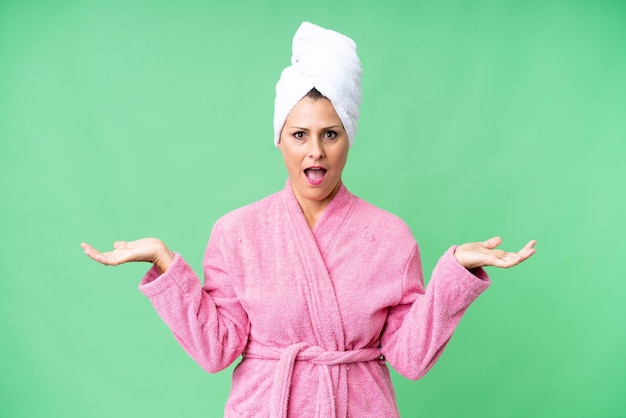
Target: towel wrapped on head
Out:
[327,61]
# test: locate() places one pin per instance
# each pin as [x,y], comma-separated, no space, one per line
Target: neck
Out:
[313,209]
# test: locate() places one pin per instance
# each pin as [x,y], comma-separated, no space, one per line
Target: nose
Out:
[316,149]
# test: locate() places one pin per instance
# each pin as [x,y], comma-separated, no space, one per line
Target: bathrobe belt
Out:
[287,358]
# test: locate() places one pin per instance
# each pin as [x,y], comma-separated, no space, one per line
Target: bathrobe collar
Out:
[315,281]
[317,284]
[332,219]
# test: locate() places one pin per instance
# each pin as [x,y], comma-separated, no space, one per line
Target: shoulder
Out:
[251,215]
[387,231]
[383,238]
[383,222]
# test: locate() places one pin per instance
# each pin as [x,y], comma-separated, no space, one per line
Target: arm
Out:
[208,322]
[421,325]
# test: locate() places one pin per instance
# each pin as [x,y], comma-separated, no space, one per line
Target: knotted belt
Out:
[287,358]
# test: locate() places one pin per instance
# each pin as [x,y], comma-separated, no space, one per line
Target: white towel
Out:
[325,60]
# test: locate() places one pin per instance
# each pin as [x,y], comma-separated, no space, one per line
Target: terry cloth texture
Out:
[317,314]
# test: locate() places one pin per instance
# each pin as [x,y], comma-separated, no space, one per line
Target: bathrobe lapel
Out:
[315,279]
[311,249]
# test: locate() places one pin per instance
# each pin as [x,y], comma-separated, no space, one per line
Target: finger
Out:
[526,254]
[492,242]
[112,258]
[120,244]
[108,258]
[509,260]
[93,253]
[516,258]
[530,245]
[528,250]
[89,250]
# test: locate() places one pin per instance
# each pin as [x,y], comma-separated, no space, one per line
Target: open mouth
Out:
[315,175]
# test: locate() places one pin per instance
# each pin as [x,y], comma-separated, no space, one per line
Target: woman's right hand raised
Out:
[150,250]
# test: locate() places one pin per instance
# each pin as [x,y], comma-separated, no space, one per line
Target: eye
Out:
[299,135]
[330,134]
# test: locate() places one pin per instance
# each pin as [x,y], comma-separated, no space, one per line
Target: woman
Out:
[314,287]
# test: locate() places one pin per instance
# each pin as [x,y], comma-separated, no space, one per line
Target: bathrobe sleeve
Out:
[208,321]
[419,327]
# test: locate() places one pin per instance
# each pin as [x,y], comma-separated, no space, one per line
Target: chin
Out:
[317,197]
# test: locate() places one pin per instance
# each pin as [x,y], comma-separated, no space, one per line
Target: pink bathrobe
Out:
[316,314]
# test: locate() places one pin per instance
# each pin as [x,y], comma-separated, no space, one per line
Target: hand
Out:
[150,250]
[481,254]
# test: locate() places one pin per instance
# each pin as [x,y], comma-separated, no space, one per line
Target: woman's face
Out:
[314,146]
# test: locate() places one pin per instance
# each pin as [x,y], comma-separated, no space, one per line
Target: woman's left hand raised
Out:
[481,254]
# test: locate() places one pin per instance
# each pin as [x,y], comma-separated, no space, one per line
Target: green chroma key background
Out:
[120,120]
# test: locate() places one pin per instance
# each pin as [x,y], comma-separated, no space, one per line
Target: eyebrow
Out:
[323,129]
